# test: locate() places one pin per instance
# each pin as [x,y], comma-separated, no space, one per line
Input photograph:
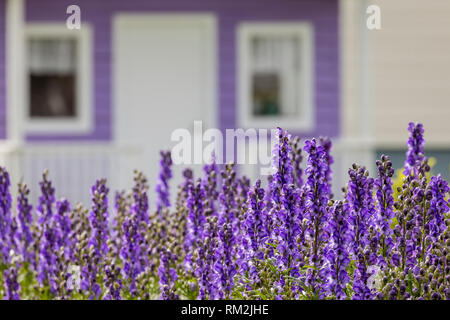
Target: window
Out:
[58,79]
[275,64]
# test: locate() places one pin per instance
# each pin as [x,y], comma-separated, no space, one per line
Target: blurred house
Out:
[102,100]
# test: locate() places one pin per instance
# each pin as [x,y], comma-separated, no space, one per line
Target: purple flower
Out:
[99,219]
[337,251]
[317,192]
[131,252]
[64,226]
[195,221]
[287,230]
[254,232]
[209,182]
[361,214]
[224,264]
[48,265]
[415,154]
[112,282]
[12,286]
[439,206]
[385,205]
[204,269]
[167,275]
[228,234]
[325,142]
[283,175]
[162,187]
[6,221]
[282,165]
[140,205]
[296,158]
[24,234]
[46,200]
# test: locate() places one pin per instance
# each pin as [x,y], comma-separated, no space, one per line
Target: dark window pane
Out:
[266,94]
[52,95]
[274,74]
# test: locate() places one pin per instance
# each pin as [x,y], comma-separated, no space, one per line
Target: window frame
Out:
[304,121]
[82,122]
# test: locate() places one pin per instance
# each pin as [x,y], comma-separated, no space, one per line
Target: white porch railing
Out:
[73,168]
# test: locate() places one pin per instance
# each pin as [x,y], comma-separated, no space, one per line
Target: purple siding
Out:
[322,13]
[2,69]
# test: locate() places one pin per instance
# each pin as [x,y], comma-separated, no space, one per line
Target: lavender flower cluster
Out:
[223,238]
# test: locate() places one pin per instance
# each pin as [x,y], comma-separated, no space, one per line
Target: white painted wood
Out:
[14,79]
[73,167]
[164,79]
[411,68]
[14,68]
[356,143]
[83,121]
[305,102]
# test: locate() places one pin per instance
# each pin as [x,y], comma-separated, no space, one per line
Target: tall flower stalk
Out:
[337,251]
[384,207]
[162,186]
[6,221]
[361,214]
[24,234]
[317,193]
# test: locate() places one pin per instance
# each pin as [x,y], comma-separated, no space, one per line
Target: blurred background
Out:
[92,88]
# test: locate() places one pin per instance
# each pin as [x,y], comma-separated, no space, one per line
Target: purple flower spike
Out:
[167,275]
[6,222]
[99,219]
[24,235]
[224,266]
[415,154]
[317,192]
[64,226]
[12,285]
[162,187]
[385,205]
[287,230]
[439,206]
[204,270]
[46,200]
[254,232]
[361,217]
[195,221]
[337,253]
[296,159]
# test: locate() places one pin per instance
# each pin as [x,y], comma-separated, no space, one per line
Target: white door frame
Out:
[14,64]
[207,20]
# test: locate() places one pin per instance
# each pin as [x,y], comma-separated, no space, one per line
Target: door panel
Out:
[164,80]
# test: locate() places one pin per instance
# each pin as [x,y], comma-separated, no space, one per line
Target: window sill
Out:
[57,126]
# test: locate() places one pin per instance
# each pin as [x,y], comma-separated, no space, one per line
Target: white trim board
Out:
[83,121]
[306,119]
[14,66]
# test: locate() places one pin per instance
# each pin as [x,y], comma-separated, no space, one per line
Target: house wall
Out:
[2,69]
[322,13]
[410,71]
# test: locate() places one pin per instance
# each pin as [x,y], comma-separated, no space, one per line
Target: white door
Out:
[164,80]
